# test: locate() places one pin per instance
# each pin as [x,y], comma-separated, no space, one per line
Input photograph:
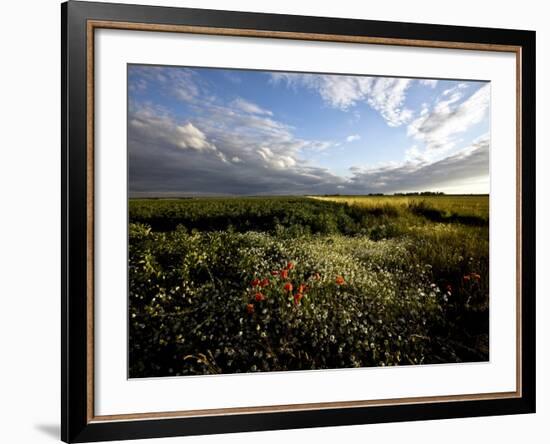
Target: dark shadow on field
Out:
[435,215]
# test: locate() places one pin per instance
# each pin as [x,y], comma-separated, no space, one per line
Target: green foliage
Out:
[372,285]
[244,214]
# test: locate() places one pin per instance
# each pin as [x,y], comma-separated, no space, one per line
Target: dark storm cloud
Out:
[223,150]
[469,164]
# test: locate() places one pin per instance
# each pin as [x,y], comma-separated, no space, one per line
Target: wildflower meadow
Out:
[234,285]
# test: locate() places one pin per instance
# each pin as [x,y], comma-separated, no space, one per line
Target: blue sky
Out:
[209,131]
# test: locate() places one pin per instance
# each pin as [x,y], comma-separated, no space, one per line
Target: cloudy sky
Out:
[206,131]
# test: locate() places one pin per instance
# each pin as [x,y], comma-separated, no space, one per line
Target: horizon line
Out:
[412,194]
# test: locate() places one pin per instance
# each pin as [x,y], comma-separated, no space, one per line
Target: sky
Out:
[210,131]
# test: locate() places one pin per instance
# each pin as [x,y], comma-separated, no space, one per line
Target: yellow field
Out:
[464,205]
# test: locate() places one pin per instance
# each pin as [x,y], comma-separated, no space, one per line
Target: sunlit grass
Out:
[464,205]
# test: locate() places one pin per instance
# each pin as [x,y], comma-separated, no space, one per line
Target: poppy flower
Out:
[259,297]
[275,273]
[284,274]
[340,280]
[264,283]
[466,278]
[289,266]
[302,288]
[288,287]
[255,282]
[297,298]
[250,308]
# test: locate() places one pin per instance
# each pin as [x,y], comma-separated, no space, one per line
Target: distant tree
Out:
[422,193]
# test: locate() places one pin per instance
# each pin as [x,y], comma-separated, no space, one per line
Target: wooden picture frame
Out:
[79,22]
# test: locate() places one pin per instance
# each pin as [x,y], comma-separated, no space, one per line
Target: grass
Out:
[291,283]
[457,205]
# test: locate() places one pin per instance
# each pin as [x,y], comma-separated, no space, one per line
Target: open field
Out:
[460,205]
[231,285]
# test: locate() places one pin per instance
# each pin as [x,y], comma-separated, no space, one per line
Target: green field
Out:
[232,285]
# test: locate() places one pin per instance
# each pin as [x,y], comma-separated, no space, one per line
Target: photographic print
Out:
[275,222]
[283,221]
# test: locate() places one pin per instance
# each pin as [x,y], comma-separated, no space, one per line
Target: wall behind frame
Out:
[30,218]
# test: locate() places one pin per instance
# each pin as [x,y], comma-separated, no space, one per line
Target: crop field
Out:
[466,205]
[234,285]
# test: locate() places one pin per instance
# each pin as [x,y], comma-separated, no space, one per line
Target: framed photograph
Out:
[275,221]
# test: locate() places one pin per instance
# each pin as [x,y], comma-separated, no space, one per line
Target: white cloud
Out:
[439,128]
[189,136]
[353,138]
[414,155]
[428,82]
[388,97]
[385,95]
[182,83]
[232,77]
[137,84]
[249,107]
[221,156]
[236,159]
[454,89]
[274,160]
[155,127]
[318,145]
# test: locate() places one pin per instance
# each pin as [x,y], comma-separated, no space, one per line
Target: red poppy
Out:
[250,308]
[284,274]
[289,266]
[255,282]
[302,288]
[275,273]
[288,287]
[259,297]
[340,280]
[466,278]
[264,283]
[297,298]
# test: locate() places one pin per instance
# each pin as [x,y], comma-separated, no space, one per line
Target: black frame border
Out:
[75,426]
